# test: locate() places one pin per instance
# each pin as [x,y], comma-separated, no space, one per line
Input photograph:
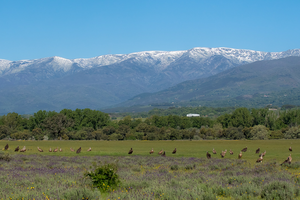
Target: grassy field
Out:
[186,175]
[276,149]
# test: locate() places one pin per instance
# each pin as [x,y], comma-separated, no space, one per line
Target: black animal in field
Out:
[164,154]
[17,149]
[208,156]
[257,150]
[78,150]
[130,151]
[174,151]
[244,149]
[6,147]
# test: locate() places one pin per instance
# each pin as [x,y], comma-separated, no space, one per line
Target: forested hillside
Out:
[86,124]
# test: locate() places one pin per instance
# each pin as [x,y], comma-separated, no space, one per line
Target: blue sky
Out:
[84,29]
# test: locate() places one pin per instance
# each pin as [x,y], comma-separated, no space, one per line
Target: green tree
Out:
[4,131]
[38,118]
[292,133]
[37,133]
[12,120]
[259,132]
[241,117]
[56,124]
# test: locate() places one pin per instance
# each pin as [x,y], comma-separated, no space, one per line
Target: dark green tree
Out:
[56,124]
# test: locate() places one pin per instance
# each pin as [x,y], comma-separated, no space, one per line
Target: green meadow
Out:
[276,149]
[188,174]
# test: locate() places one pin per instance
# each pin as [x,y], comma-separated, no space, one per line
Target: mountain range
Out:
[54,83]
[240,83]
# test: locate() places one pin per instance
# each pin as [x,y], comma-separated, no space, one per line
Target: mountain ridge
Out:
[56,83]
[257,77]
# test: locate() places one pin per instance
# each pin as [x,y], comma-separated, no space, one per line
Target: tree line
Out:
[87,124]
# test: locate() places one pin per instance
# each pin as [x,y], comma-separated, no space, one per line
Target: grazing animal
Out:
[257,150]
[208,156]
[231,152]
[223,154]
[72,149]
[17,149]
[244,149]
[78,150]
[290,149]
[130,151]
[55,150]
[263,154]
[90,149]
[60,149]
[164,154]
[160,152]
[288,160]
[152,151]
[174,151]
[6,147]
[50,150]
[214,151]
[260,159]
[240,155]
[40,150]
[23,150]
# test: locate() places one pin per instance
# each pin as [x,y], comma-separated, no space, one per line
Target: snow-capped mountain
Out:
[55,83]
[160,60]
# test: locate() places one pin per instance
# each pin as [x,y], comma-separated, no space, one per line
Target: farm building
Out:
[193,115]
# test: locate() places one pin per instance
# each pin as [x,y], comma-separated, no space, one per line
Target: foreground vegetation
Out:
[188,174]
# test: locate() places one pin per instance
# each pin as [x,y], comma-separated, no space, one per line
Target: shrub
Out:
[292,133]
[115,136]
[5,157]
[189,167]
[65,137]
[276,134]
[197,137]
[277,190]
[259,132]
[104,177]
[23,135]
[80,193]
[139,135]
[174,167]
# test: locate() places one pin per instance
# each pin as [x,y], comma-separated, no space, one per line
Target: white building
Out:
[193,115]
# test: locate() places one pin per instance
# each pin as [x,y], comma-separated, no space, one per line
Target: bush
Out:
[197,137]
[105,177]
[278,190]
[80,193]
[276,135]
[5,157]
[23,135]
[174,167]
[292,133]
[259,132]
[65,137]
[115,136]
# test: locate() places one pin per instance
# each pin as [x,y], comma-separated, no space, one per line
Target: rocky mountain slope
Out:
[55,83]
[239,83]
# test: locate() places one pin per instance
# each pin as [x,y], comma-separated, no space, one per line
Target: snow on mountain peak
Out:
[59,63]
[159,60]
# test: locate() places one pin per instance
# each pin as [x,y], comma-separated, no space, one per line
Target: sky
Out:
[84,29]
